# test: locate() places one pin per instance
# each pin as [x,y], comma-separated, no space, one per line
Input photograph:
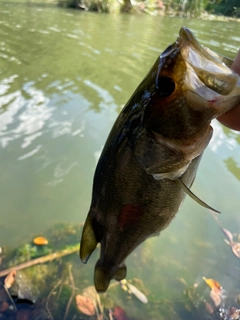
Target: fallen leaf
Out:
[40,241]
[119,313]
[228,234]
[4,306]
[216,297]
[213,284]
[23,314]
[85,305]
[234,313]
[137,293]
[91,293]
[10,279]
[208,307]
[236,249]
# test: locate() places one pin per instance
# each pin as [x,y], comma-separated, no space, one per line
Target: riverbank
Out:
[187,9]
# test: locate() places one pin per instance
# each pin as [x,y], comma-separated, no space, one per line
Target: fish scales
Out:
[151,156]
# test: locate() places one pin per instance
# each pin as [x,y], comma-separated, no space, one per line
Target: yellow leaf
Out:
[213,284]
[40,241]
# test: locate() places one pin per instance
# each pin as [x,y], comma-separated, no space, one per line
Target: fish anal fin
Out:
[102,278]
[88,241]
[121,273]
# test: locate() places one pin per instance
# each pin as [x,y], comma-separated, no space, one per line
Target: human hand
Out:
[231,119]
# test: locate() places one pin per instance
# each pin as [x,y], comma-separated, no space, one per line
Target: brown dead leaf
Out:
[208,307]
[10,279]
[91,293]
[23,314]
[234,313]
[216,297]
[4,306]
[85,305]
[119,313]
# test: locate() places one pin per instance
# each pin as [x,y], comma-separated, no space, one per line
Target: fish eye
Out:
[165,87]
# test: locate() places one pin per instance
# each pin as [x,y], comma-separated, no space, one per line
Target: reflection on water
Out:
[64,76]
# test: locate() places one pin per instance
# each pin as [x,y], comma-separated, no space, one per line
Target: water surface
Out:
[64,77]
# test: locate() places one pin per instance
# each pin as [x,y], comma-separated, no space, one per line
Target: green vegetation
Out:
[229,8]
[190,8]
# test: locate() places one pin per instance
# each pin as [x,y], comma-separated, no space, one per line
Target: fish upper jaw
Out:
[199,57]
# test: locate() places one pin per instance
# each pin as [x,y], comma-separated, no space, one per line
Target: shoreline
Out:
[138,8]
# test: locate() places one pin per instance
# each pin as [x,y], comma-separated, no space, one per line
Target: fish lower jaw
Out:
[173,175]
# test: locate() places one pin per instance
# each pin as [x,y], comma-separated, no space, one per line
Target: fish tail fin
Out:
[88,241]
[103,276]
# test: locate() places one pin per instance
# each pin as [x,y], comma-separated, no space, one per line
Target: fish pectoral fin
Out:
[121,273]
[103,276]
[154,156]
[193,196]
[88,241]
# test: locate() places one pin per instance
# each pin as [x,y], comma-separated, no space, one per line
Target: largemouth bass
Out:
[151,156]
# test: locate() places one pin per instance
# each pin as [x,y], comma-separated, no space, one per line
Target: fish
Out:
[151,156]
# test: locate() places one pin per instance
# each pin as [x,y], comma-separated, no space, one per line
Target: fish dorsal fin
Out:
[193,196]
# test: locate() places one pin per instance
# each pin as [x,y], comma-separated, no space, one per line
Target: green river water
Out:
[64,76]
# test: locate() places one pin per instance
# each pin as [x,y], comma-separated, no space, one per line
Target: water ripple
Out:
[21,117]
[30,154]
[62,169]
[104,94]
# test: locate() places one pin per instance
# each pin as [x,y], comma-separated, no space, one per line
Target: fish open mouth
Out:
[211,70]
[208,75]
